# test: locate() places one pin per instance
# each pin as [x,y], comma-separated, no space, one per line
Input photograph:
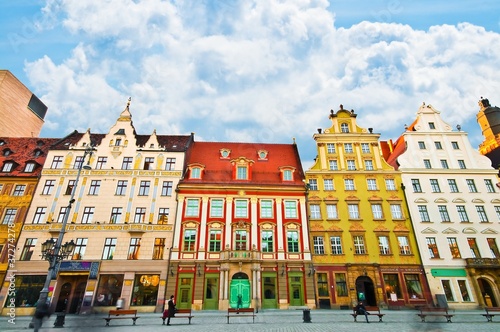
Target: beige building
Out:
[121,221]
[21,112]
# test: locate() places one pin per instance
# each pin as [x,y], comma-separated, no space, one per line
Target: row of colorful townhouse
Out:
[405,223]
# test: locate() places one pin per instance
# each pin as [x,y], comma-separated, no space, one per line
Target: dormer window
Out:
[344,127]
[242,173]
[29,168]
[225,153]
[118,142]
[7,152]
[262,154]
[195,173]
[431,125]
[7,167]
[151,146]
[2,142]
[287,173]
[38,153]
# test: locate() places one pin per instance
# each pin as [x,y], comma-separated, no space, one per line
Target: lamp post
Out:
[54,252]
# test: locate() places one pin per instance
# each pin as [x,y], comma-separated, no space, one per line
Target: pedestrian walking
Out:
[170,311]
[41,312]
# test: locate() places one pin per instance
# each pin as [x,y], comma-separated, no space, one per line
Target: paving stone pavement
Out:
[269,321]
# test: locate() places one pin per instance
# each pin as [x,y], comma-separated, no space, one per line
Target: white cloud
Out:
[256,70]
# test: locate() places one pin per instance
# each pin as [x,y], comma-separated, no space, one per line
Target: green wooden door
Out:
[296,290]
[211,299]
[269,300]
[239,287]
[184,292]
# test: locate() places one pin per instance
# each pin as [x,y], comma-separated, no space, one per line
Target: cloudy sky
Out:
[253,70]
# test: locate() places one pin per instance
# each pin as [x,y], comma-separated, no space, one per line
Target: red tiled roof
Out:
[264,172]
[23,150]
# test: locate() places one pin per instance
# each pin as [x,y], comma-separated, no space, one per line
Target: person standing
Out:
[170,312]
[239,302]
[361,310]
[41,312]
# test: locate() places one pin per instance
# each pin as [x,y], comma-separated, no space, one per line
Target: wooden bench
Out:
[245,312]
[121,314]
[371,310]
[181,313]
[431,311]
[489,316]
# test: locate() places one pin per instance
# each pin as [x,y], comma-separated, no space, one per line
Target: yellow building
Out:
[361,234]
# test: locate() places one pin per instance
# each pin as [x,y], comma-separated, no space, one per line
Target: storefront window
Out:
[413,286]
[145,289]
[27,290]
[109,289]
[322,284]
[392,285]
[447,290]
[341,284]
[462,284]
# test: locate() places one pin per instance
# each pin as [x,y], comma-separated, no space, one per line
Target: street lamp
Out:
[54,252]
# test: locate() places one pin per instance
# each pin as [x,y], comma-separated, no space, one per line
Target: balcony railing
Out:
[483,262]
[240,255]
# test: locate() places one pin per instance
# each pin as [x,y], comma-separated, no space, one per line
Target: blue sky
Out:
[260,71]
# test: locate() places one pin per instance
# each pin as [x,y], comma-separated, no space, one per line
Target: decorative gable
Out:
[469,230]
[489,231]
[429,230]
[450,230]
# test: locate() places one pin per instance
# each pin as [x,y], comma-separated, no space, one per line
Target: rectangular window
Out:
[333,165]
[415,183]
[241,173]
[30,167]
[435,186]
[319,245]
[127,163]
[348,148]
[170,165]
[448,293]
[443,212]
[431,125]
[159,248]
[462,214]
[369,165]
[70,187]
[392,286]
[29,246]
[240,240]
[121,187]
[57,162]
[432,247]
[78,162]
[489,185]
[349,184]
[497,211]
[140,215]
[192,207]
[290,209]
[48,187]
[322,283]
[359,245]
[474,250]
[424,215]
[166,189]
[371,184]
[464,290]
[452,243]
[9,217]
[7,167]
[331,211]
[341,284]
[365,148]
[413,286]
[80,247]
[453,185]
[383,244]
[427,163]
[377,211]
[292,238]
[94,187]
[216,208]
[336,245]
[481,213]
[189,240]
[390,184]
[62,214]
[88,214]
[438,145]
[421,145]
[471,185]
[101,162]
[396,212]
[241,208]
[461,164]
[328,184]
[195,173]
[19,190]
[492,244]
[149,163]
[144,188]
[116,215]
[404,245]
[313,184]
[455,146]
[267,241]
[163,214]
[214,241]
[109,248]
[266,208]
[39,215]
[133,249]
[330,147]
[444,163]
[353,211]
[351,165]
[287,175]
[314,211]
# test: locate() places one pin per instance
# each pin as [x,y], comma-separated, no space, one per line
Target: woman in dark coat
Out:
[170,311]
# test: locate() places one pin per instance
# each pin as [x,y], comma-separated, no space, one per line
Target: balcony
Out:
[483,262]
[240,255]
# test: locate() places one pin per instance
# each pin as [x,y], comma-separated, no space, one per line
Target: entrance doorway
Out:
[269,300]
[239,291]
[211,300]
[365,291]
[296,289]
[71,294]
[487,292]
